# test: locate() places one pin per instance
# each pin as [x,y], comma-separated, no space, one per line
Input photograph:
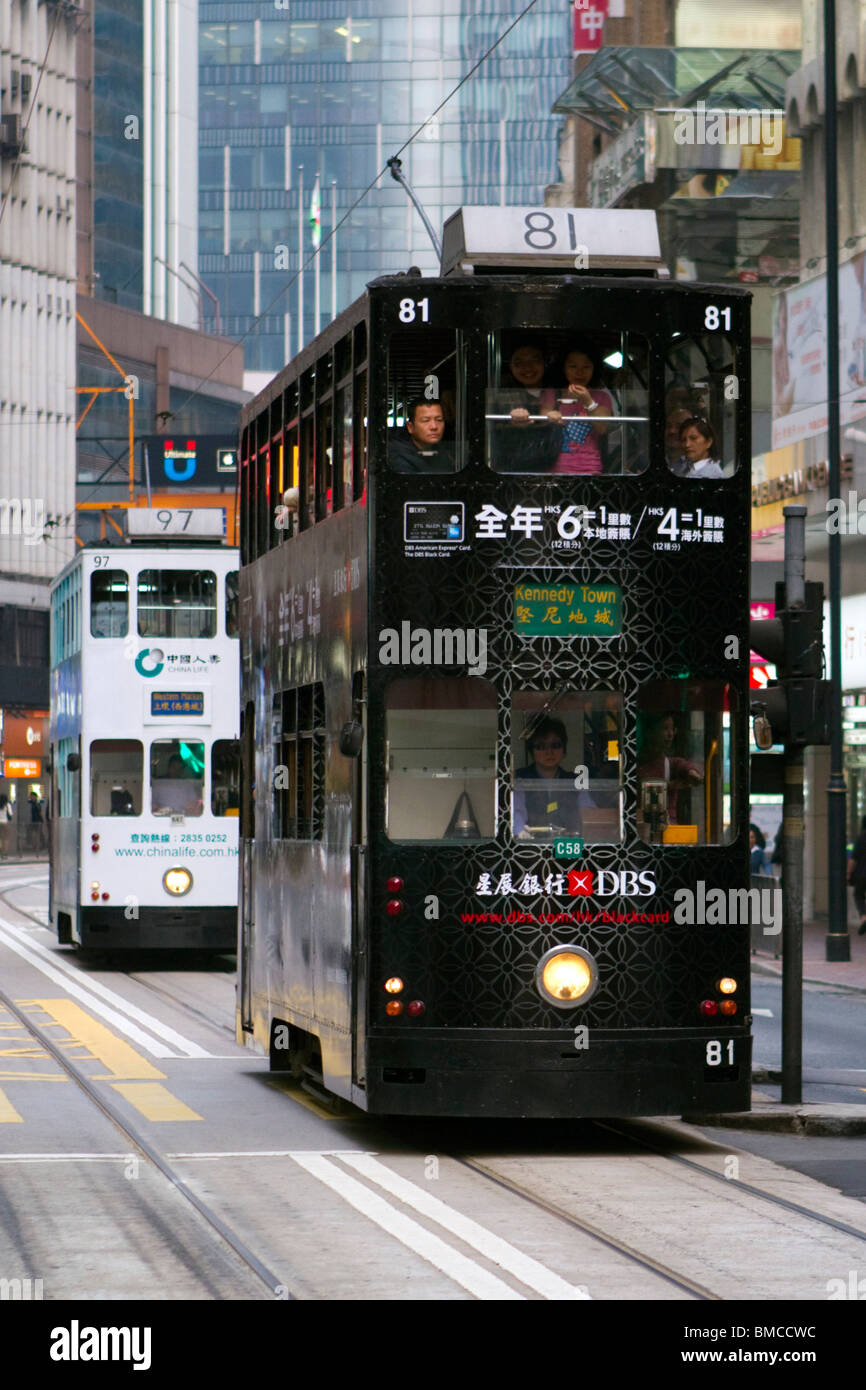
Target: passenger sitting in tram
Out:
[421,449]
[657,762]
[523,436]
[553,808]
[581,409]
[179,793]
[700,451]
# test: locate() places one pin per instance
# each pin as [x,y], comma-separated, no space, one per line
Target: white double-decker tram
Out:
[144,727]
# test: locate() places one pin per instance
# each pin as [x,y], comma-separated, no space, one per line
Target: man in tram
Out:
[421,449]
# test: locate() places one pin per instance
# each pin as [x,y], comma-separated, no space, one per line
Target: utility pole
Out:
[837,940]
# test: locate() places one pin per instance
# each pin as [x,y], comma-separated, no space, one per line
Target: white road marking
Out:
[66,1158]
[763,1013]
[418,1239]
[95,987]
[259,1153]
[523,1267]
[122,1024]
[20,883]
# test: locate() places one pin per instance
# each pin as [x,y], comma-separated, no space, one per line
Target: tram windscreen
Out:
[177,603]
[567,759]
[701,392]
[109,603]
[567,402]
[441,759]
[116,777]
[176,777]
[225,782]
[684,762]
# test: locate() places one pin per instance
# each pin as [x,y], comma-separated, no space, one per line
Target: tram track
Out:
[218,1229]
[168,996]
[646,1262]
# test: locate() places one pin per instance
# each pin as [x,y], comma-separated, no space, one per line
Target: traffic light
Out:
[797,704]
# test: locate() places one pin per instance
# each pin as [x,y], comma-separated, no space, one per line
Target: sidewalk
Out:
[816,968]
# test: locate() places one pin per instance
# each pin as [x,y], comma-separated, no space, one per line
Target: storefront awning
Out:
[618,83]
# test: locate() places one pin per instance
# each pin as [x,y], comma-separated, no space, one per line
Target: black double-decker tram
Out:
[494,642]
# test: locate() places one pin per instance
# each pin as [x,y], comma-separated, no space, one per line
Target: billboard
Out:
[800,354]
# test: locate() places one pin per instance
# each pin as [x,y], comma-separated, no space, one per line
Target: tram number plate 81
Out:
[567,849]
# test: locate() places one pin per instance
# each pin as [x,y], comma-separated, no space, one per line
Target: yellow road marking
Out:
[123,1062]
[23,1052]
[154,1102]
[31,1076]
[8,1114]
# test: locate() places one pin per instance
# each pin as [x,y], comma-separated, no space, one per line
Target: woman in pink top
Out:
[581,409]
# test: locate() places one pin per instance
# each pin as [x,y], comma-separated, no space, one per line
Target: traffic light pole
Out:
[793,818]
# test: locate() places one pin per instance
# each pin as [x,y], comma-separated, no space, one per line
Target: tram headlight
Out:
[176,882]
[566,976]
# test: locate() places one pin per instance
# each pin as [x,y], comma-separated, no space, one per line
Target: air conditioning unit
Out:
[11,136]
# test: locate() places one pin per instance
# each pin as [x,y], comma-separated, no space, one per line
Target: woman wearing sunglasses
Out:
[546,802]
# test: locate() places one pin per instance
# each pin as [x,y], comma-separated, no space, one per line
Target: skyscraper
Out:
[297,96]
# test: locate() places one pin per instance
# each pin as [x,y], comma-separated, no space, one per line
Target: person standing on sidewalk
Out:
[37,824]
[7,815]
[857,876]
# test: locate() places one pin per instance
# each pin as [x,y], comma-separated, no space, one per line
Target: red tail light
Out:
[709,1008]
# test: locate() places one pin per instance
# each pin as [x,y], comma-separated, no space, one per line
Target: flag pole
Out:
[300,257]
[317,239]
[334,249]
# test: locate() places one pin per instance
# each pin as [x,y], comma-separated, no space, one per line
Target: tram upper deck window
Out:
[441,759]
[109,603]
[176,777]
[116,777]
[566,403]
[425,398]
[567,766]
[684,763]
[177,603]
[701,407]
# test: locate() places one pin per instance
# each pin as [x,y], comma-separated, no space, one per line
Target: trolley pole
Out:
[793,817]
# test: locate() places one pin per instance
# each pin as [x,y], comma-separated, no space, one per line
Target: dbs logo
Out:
[609,883]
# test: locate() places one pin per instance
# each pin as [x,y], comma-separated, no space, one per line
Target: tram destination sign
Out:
[177,702]
[568,610]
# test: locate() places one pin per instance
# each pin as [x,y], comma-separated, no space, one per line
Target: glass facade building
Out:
[118,163]
[299,94]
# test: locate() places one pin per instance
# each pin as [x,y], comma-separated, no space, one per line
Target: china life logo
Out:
[150,661]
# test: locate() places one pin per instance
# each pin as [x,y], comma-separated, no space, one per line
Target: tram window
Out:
[109,603]
[684,770]
[177,603]
[298,741]
[360,433]
[700,417]
[567,766]
[441,759]
[324,459]
[176,777]
[225,774]
[307,476]
[425,390]
[344,442]
[116,777]
[232,603]
[565,403]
